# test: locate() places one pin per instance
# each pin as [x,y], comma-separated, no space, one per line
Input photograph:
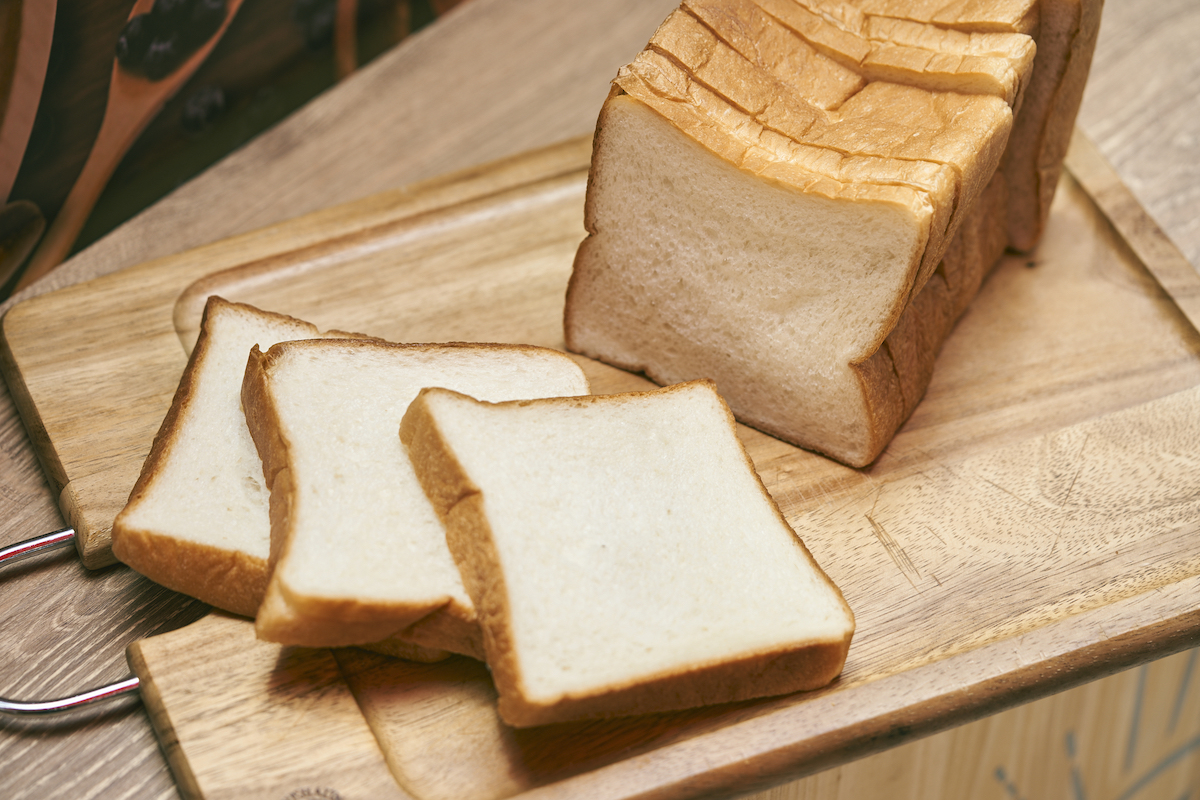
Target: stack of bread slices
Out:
[606,555]
[798,198]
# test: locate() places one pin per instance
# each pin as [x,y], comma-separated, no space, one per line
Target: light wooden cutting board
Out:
[1034,523]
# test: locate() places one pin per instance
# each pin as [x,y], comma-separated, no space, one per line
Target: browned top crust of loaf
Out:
[843,100]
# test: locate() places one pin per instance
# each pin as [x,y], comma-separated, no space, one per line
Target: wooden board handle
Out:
[239,718]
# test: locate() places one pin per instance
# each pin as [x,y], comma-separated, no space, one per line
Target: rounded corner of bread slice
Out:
[223,577]
[196,520]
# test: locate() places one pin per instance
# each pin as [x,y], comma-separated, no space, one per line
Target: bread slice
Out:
[359,555]
[196,520]
[1066,38]
[622,553]
[775,186]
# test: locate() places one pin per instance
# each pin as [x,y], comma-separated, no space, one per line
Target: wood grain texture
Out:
[438,727]
[456,96]
[1141,108]
[1136,228]
[239,718]
[1136,734]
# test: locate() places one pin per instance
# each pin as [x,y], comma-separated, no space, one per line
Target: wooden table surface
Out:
[495,77]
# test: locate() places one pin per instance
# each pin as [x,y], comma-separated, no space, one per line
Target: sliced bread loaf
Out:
[775,183]
[358,553]
[622,553]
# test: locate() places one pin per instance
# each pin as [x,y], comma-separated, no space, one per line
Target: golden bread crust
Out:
[229,579]
[292,617]
[885,83]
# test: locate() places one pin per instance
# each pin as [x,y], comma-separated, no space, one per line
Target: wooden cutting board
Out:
[1033,524]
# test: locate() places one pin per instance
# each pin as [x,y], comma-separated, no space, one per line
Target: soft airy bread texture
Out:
[196,520]
[790,196]
[359,555]
[622,553]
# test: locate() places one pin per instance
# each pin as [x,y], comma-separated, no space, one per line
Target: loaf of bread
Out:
[798,198]
[622,554]
[358,553]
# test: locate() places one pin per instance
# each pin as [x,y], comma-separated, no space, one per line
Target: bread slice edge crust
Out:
[227,579]
[233,581]
[274,618]
[290,617]
[283,616]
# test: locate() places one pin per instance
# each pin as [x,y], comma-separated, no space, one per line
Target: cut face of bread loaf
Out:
[775,182]
[196,521]
[719,273]
[359,555]
[622,554]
